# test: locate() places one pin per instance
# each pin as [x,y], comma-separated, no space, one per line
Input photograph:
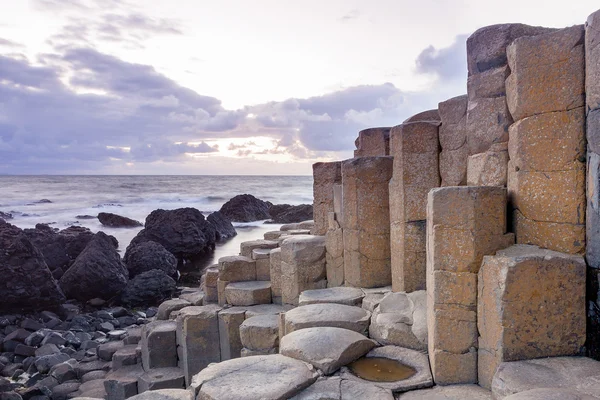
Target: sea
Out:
[60,201]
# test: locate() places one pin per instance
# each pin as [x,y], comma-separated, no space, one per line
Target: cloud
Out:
[10,43]
[79,111]
[112,21]
[350,15]
[448,63]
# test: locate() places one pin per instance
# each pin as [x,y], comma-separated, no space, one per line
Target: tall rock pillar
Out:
[546,178]
[366,221]
[415,147]
[325,176]
[463,225]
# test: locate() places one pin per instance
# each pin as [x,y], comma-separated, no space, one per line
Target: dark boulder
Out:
[223,226]
[76,239]
[51,244]
[287,214]
[148,289]
[184,232]
[97,272]
[5,216]
[85,216]
[26,282]
[246,208]
[117,221]
[146,256]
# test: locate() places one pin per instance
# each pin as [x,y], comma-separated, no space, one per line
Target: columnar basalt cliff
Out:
[453,243]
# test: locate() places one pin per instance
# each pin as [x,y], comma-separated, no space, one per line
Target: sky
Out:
[228,86]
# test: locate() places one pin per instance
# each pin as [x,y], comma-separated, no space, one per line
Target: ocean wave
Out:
[103,205]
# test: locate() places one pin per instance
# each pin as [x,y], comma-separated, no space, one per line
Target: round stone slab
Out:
[417,360]
[550,394]
[260,332]
[580,374]
[340,295]
[453,392]
[326,348]
[335,387]
[332,315]
[256,377]
[164,394]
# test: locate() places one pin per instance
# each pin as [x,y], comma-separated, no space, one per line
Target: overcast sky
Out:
[228,86]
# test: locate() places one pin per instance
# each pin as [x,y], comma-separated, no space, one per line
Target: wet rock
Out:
[287,214]
[245,208]
[148,288]
[222,224]
[184,232]
[97,272]
[117,221]
[26,279]
[146,256]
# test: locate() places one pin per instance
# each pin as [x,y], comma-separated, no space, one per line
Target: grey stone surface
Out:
[452,392]
[248,293]
[159,345]
[167,307]
[260,332]
[251,378]
[337,388]
[326,348]
[341,295]
[331,315]
[161,378]
[573,373]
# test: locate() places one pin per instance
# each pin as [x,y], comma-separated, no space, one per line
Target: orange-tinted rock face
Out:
[531,304]
[463,225]
[366,221]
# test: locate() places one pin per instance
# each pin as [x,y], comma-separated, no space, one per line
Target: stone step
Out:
[263,264]
[161,378]
[325,315]
[340,295]
[260,333]
[246,248]
[127,356]
[248,293]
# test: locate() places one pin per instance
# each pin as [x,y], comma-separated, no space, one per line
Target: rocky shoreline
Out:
[71,305]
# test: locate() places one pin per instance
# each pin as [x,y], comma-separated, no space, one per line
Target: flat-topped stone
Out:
[338,388]
[195,298]
[122,383]
[159,345]
[574,373]
[550,394]
[167,307]
[327,315]
[165,394]
[260,332]
[327,348]
[340,295]
[452,392]
[237,268]
[400,319]
[262,309]
[411,358]
[258,377]
[248,293]
[161,378]
[246,248]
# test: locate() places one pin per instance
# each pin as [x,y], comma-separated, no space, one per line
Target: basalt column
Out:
[488,117]
[415,148]
[334,242]
[453,141]
[373,142]
[366,221]
[325,176]
[592,89]
[463,225]
[546,178]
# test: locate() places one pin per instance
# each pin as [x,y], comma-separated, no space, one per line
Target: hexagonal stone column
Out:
[302,266]
[463,225]
[546,177]
[488,116]
[198,339]
[453,141]
[325,176]
[531,304]
[415,148]
[373,142]
[366,221]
